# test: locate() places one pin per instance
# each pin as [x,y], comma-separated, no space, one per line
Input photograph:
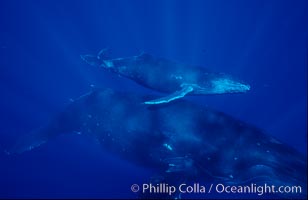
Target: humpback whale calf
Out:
[166,76]
[181,141]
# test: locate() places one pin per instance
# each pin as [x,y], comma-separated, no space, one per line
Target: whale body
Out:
[173,78]
[177,140]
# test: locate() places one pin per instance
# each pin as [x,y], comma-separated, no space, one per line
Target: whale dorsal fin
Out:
[176,95]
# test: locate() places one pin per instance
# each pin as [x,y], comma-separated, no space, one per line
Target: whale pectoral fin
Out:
[179,170]
[29,141]
[90,59]
[176,95]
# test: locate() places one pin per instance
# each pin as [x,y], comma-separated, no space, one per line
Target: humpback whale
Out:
[181,141]
[167,76]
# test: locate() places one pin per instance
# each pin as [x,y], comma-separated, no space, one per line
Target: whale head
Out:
[223,85]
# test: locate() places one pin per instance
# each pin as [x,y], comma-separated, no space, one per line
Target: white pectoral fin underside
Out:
[176,95]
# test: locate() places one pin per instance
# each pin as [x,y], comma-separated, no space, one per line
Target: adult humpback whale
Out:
[182,141]
[167,76]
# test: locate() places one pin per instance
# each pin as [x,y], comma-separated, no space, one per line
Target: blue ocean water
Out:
[261,42]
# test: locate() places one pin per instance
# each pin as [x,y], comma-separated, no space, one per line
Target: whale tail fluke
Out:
[103,54]
[90,59]
[96,60]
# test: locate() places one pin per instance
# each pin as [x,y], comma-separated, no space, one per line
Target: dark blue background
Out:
[261,42]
